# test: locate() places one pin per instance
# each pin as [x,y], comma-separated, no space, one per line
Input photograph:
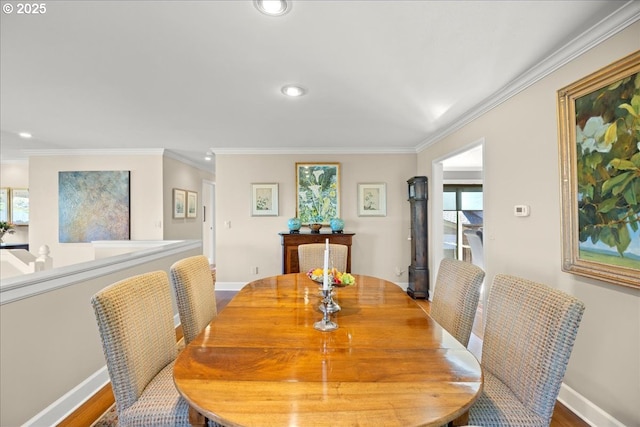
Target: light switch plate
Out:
[521,210]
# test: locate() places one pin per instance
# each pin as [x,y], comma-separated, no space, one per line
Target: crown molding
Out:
[601,31]
[210,167]
[96,152]
[313,150]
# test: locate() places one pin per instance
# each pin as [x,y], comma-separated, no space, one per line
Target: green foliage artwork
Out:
[608,173]
[599,135]
[318,189]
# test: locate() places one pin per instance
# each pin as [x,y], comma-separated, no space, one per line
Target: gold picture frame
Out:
[599,141]
[317,192]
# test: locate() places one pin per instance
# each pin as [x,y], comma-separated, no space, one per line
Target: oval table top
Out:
[262,363]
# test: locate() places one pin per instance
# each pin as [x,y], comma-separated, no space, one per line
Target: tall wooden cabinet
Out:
[290,242]
[419,268]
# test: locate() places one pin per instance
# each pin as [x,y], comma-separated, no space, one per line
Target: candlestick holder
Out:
[326,324]
[331,305]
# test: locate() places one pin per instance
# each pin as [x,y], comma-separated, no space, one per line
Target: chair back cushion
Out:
[528,339]
[311,256]
[135,319]
[194,286]
[456,296]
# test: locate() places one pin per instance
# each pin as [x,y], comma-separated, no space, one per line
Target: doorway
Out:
[457,206]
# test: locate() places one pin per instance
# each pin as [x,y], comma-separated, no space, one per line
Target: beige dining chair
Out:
[527,343]
[311,255]
[194,285]
[456,297]
[135,320]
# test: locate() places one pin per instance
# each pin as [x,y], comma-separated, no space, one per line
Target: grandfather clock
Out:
[419,268]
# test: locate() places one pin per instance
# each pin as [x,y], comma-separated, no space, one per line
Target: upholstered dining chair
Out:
[528,339]
[311,255]
[135,320]
[456,297]
[194,285]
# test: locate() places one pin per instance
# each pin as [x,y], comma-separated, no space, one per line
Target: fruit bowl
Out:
[338,279]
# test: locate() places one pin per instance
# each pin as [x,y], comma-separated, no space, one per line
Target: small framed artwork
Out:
[179,203]
[264,199]
[20,206]
[599,118]
[192,204]
[372,199]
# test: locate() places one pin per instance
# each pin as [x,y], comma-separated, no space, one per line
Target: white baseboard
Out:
[72,400]
[69,402]
[585,409]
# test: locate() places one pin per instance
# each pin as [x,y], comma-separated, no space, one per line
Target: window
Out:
[462,210]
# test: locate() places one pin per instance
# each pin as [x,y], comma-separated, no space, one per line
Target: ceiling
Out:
[198,76]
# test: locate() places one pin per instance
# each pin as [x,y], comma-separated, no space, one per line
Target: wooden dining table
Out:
[261,362]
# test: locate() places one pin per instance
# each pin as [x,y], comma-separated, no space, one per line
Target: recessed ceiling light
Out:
[293,91]
[272,7]
[25,135]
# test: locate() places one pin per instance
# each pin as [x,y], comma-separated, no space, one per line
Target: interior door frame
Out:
[436,199]
[209,220]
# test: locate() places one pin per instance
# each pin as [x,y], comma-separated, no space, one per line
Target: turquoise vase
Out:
[337,225]
[294,225]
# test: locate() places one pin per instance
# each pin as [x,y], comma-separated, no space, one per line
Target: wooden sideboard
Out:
[291,241]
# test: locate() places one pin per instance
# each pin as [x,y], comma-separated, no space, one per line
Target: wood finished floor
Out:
[562,417]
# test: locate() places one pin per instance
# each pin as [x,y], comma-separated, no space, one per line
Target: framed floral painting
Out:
[599,132]
[317,192]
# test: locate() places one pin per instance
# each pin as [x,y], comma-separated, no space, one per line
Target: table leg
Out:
[462,420]
[196,419]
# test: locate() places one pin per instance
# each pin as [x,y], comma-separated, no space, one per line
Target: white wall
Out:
[379,246]
[521,167]
[146,199]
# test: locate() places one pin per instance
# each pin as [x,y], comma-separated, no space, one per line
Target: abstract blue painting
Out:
[93,205]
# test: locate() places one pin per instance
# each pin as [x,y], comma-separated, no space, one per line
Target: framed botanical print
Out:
[372,199]
[317,192]
[599,121]
[264,199]
[179,203]
[192,204]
